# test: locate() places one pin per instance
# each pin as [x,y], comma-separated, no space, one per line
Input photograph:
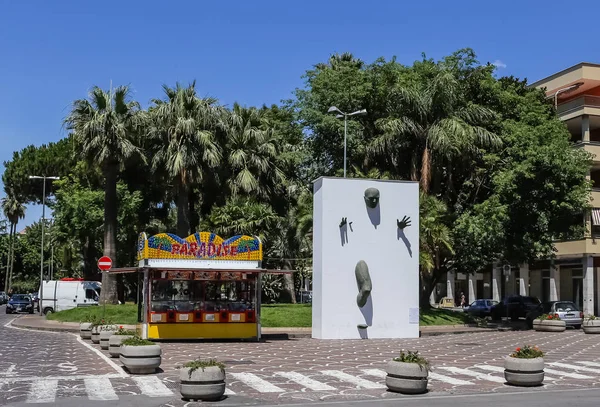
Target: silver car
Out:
[566,310]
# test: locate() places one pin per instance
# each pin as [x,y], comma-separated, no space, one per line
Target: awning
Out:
[596,216]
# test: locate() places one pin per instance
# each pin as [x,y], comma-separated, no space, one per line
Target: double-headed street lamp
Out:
[341,114]
[43,178]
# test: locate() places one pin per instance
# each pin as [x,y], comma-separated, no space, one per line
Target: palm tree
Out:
[252,153]
[14,210]
[105,127]
[183,131]
[436,123]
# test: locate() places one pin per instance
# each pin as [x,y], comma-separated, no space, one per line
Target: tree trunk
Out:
[109,282]
[288,291]
[194,218]
[90,266]
[425,170]
[183,211]
[12,255]
[8,257]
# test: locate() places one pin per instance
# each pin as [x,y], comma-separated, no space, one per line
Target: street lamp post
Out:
[341,114]
[43,178]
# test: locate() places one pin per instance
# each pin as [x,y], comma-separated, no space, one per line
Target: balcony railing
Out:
[578,103]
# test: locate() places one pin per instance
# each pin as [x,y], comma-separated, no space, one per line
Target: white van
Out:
[69,293]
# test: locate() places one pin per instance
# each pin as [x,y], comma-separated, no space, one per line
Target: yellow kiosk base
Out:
[203,331]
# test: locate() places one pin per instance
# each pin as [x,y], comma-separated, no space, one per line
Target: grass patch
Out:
[435,316]
[124,314]
[286,315]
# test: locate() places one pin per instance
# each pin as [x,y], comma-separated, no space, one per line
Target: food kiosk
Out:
[199,287]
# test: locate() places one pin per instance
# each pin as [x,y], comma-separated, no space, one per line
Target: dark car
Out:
[514,307]
[19,303]
[565,310]
[481,308]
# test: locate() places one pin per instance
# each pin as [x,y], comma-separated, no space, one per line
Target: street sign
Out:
[104,263]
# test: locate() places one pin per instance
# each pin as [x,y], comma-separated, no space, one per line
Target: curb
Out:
[69,329]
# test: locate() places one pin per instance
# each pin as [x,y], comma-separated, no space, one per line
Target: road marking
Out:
[575,367]
[42,391]
[477,375]
[500,369]
[74,377]
[229,392]
[359,382]
[112,364]
[305,381]
[100,389]
[152,386]
[375,373]
[257,383]
[432,375]
[596,364]
[565,374]
[8,371]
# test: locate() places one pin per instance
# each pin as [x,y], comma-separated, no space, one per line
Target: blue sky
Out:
[253,52]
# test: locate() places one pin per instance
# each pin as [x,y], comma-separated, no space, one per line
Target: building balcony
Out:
[577,248]
[595,197]
[585,104]
[592,147]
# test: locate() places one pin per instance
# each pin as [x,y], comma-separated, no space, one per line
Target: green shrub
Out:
[413,357]
[202,364]
[136,341]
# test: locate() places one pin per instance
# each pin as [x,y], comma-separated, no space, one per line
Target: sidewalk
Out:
[40,323]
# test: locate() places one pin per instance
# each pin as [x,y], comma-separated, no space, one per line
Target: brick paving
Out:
[296,370]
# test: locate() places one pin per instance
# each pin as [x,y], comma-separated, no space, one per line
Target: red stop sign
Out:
[104,263]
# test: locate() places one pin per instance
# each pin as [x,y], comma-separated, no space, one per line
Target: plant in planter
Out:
[140,356]
[525,367]
[591,324]
[106,331]
[408,373]
[114,342]
[549,323]
[202,380]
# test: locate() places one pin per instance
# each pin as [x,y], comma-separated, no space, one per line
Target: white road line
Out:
[477,375]
[257,383]
[74,377]
[595,364]
[112,364]
[500,369]
[229,392]
[42,391]
[375,373]
[566,374]
[305,381]
[575,367]
[100,389]
[8,371]
[359,382]
[152,386]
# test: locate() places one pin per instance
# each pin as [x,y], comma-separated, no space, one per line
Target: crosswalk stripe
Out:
[575,367]
[566,374]
[42,391]
[375,373]
[467,372]
[100,389]
[364,383]
[229,392]
[257,383]
[152,386]
[596,364]
[448,379]
[305,381]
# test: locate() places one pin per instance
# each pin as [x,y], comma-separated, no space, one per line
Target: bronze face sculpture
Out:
[372,197]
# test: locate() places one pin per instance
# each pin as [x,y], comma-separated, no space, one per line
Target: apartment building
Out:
[574,274]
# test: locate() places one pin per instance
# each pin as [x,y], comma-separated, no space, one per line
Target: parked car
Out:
[19,303]
[481,308]
[566,310]
[3,298]
[514,307]
[67,293]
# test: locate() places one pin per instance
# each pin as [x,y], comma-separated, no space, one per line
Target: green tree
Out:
[184,148]
[14,210]
[105,128]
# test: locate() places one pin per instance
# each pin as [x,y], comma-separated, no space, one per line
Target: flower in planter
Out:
[590,317]
[527,352]
[412,357]
[548,317]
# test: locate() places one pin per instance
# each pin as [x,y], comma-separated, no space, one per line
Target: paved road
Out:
[59,369]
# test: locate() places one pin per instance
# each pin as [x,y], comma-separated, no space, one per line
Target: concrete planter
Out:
[591,326]
[524,372]
[105,335]
[96,334]
[143,359]
[408,378]
[85,330]
[205,385]
[114,344]
[549,325]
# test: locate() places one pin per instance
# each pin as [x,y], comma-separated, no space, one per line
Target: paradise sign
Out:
[199,246]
